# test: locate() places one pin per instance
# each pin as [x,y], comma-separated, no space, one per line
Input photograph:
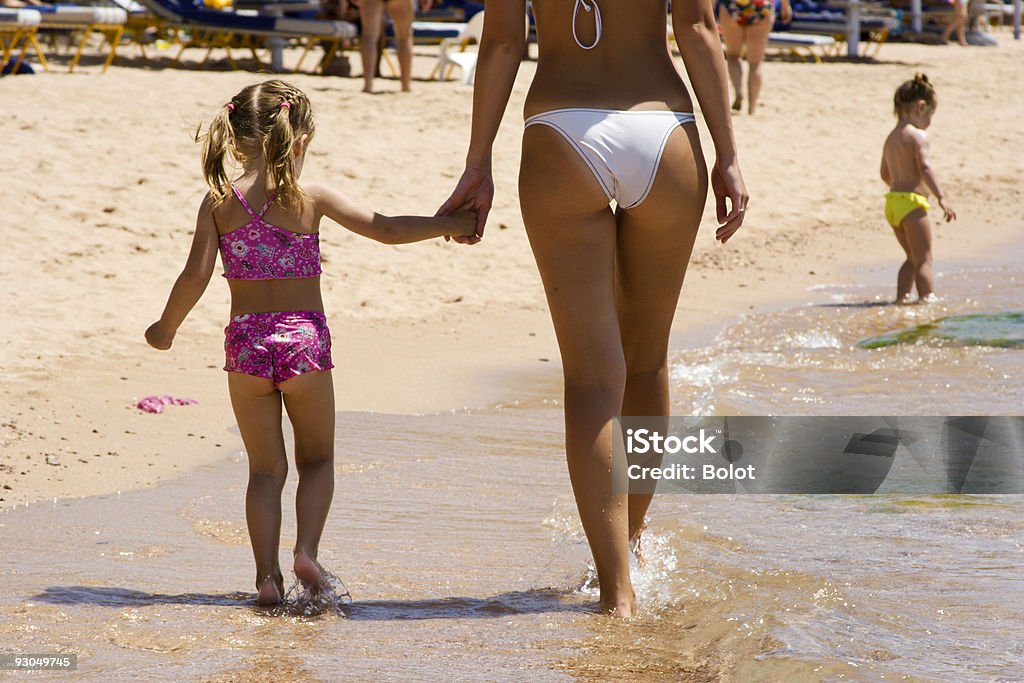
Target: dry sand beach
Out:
[101,185]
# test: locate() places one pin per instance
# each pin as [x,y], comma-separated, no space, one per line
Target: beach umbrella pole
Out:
[1016,18]
[915,15]
[853,29]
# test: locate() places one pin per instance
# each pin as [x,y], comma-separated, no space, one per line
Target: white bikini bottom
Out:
[622,148]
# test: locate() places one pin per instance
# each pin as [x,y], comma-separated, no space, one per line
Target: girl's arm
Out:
[388,229]
[500,53]
[697,37]
[928,174]
[886,178]
[192,281]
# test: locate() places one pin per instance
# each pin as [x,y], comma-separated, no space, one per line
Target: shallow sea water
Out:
[457,537]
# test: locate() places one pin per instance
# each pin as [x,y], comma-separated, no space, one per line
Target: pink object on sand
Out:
[155,404]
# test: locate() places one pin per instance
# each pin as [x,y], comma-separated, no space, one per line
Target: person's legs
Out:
[371,16]
[917,229]
[957,24]
[757,43]
[905,277]
[309,400]
[654,244]
[257,406]
[572,233]
[734,37]
[402,14]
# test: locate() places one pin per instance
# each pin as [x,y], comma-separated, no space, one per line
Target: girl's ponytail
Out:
[279,153]
[264,119]
[219,138]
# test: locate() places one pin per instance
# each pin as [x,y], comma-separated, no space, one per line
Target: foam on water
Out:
[805,361]
[300,601]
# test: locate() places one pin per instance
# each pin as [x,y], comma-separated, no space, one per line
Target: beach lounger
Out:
[876,21]
[801,45]
[109,22]
[223,29]
[18,27]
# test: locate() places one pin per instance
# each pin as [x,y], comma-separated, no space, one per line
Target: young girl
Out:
[277,344]
[906,168]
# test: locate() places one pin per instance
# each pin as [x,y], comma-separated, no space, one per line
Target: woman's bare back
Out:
[628,68]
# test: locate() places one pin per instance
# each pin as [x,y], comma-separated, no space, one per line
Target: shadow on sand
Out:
[501,605]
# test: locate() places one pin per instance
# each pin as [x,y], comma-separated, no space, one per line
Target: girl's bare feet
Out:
[309,573]
[270,589]
[737,104]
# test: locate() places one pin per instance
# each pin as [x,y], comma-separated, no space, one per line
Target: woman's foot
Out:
[621,607]
[737,104]
[270,590]
[310,573]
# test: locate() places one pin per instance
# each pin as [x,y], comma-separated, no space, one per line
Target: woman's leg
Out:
[734,37]
[654,244]
[309,400]
[572,233]
[958,23]
[918,231]
[402,14]
[757,43]
[371,16]
[257,406]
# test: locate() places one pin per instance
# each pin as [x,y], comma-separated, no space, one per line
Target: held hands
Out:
[158,337]
[727,184]
[475,192]
[947,210]
[462,224]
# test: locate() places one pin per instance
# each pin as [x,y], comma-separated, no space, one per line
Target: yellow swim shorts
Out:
[899,204]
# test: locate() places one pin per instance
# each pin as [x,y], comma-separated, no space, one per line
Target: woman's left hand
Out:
[730,198]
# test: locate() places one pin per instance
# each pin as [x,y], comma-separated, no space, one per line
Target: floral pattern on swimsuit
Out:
[261,251]
[279,345]
[749,12]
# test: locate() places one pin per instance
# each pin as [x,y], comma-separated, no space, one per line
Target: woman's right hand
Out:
[158,337]
[475,192]
[727,184]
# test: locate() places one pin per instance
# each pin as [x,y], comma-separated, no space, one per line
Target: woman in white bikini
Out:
[608,119]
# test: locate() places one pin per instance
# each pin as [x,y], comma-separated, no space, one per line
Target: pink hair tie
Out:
[230,106]
[287,105]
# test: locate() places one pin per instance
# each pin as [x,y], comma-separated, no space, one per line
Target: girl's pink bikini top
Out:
[261,251]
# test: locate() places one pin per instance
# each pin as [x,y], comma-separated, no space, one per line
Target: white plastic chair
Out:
[453,51]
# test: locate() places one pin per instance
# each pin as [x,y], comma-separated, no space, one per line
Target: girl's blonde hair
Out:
[264,119]
[920,88]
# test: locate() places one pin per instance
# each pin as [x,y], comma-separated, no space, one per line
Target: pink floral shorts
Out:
[278,345]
